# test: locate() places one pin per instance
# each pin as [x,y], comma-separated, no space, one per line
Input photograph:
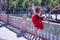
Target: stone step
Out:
[13,29]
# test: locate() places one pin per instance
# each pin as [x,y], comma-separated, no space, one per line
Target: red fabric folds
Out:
[37,22]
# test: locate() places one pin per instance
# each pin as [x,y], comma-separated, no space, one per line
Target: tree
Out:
[23,4]
[53,3]
[56,10]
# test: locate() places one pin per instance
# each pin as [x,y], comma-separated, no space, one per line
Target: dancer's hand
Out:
[33,8]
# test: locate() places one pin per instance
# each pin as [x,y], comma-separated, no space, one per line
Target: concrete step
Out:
[2,23]
[13,29]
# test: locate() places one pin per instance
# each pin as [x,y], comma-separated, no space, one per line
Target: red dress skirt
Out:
[37,21]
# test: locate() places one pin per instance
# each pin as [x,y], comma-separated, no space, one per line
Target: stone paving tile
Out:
[7,34]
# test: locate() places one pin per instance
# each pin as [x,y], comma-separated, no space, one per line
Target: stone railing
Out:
[3,17]
[51,30]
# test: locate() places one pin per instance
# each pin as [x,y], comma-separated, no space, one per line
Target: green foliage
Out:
[17,4]
[53,3]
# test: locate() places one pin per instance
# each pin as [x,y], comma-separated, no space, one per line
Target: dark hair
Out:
[37,10]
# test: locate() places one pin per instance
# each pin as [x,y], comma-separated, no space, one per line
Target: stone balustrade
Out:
[51,30]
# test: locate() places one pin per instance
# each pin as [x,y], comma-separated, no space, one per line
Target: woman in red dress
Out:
[37,20]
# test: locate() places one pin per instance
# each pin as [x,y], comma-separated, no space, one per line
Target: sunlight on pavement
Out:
[22,38]
[9,35]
